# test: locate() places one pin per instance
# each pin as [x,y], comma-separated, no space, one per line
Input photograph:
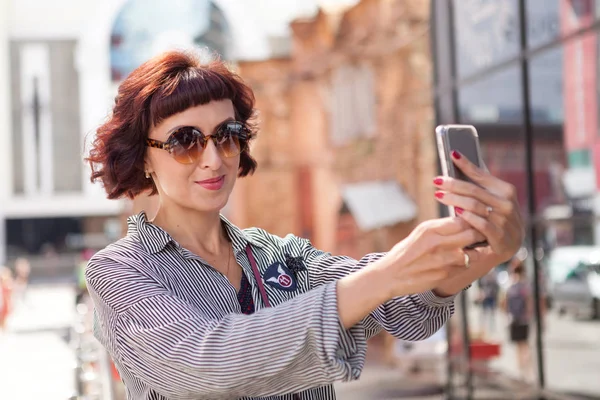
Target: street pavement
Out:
[572,355]
[36,361]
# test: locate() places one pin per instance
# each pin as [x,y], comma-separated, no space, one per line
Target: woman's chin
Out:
[215,204]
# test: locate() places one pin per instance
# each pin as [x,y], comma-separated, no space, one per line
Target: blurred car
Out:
[575,280]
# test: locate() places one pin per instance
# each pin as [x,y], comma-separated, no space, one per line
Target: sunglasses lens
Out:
[228,140]
[188,142]
[186,145]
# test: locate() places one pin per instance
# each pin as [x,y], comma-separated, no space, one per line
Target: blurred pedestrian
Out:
[489,290]
[518,305]
[6,294]
[21,281]
[191,306]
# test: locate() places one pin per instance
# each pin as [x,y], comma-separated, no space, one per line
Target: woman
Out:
[518,304]
[489,290]
[192,307]
[21,281]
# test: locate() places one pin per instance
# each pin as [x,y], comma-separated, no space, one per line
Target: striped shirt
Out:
[174,327]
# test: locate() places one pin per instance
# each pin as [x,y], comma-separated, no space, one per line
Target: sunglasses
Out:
[186,144]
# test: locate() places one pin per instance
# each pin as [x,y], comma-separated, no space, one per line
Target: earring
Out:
[147,175]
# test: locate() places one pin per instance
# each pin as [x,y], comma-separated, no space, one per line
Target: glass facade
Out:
[525,73]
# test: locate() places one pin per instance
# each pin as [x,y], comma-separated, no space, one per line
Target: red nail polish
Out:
[439,195]
[456,154]
[438,181]
[458,210]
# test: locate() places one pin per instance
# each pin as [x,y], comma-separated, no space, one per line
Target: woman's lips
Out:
[213,183]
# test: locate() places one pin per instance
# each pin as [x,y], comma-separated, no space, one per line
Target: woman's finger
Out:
[492,233]
[443,226]
[483,178]
[461,203]
[463,188]
[461,240]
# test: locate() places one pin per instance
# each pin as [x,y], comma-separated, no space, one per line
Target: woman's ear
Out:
[148,170]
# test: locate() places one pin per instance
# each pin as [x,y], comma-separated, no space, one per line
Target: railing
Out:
[94,379]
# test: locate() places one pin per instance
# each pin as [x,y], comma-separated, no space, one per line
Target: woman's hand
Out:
[490,206]
[431,254]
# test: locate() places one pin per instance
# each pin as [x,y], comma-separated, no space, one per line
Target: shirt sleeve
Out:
[413,317]
[183,353]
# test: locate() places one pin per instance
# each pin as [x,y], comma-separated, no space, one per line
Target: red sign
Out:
[579,76]
[596,156]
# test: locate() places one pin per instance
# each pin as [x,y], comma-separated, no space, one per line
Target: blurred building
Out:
[63,60]
[345,152]
[345,135]
[47,205]
[344,93]
[563,99]
[525,73]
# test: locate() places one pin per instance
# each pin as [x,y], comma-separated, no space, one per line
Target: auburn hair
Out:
[163,86]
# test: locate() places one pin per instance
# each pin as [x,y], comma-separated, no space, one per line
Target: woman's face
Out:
[206,184]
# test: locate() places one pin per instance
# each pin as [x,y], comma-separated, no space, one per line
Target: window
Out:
[46,134]
[352,104]
[493,99]
[547,94]
[486,32]
[543,21]
[140,32]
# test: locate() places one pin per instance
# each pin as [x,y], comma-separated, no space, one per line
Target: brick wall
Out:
[391,39]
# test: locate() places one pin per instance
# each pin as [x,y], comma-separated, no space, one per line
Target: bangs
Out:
[189,88]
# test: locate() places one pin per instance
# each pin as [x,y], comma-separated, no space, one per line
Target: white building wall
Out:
[56,19]
[89,22]
[33,20]
[5,125]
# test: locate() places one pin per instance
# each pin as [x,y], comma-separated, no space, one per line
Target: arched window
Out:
[142,30]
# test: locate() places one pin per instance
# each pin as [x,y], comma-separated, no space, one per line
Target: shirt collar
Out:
[155,239]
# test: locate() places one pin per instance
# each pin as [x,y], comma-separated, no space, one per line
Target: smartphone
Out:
[465,140]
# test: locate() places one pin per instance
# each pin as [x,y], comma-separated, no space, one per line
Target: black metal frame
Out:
[447,83]
[531,206]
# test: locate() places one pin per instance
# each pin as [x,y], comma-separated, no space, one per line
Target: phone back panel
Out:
[462,138]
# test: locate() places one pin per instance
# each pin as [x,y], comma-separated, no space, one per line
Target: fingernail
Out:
[438,181]
[456,154]
[458,210]
[439,195]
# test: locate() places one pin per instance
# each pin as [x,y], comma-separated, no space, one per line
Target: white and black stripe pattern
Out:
[174,327]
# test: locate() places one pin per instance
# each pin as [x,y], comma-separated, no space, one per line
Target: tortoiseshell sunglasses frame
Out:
[243,138]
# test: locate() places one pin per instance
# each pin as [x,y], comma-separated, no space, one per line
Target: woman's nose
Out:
[211,159]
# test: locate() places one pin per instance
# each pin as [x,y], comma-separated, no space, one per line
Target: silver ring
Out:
[467,260]
[489,210]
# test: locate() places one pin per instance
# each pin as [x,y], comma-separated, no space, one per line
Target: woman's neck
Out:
[197,231]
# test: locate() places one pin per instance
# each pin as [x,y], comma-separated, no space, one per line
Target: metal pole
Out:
[531,206]
[464,297]
[433,38]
